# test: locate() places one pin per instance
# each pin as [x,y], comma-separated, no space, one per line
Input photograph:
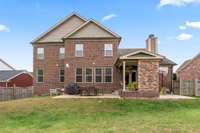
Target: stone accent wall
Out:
[148,74]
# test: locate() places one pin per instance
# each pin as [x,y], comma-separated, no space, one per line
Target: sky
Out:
[175,22]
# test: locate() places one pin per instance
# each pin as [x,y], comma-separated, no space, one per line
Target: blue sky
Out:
[175,22]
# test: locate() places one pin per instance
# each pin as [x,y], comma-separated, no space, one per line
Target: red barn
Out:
[15,78]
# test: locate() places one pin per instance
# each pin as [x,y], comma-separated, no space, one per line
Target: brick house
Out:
[190,69]
[85,52]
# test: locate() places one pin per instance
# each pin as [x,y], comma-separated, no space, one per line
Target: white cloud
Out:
[108,17]
[184,37]
[182,27]
[195,25]
[4,28]
[177,2]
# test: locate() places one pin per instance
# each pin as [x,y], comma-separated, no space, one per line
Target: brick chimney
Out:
[152,45]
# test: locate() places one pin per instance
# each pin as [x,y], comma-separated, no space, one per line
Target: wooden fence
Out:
[190,87]
[15,93]
[176,87]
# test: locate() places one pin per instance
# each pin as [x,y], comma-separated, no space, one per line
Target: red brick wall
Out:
[50,65]
[93,57]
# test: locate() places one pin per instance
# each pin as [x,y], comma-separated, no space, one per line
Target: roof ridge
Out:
[57,25]
[87,22]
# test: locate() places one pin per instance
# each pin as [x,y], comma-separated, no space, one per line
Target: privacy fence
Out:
[15,93]
[190,87]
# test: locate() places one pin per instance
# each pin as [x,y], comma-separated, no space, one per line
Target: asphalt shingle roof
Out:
[7,74]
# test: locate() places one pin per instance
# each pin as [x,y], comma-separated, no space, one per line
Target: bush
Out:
[133,86]
[72,89]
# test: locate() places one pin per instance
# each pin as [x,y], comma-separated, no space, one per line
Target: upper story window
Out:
[40,75]
[108,50]
[79,50]
[61,53]
[40,53]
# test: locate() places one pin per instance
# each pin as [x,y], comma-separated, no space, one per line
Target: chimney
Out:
[152,45]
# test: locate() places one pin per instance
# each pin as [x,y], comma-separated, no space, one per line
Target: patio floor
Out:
[110,96]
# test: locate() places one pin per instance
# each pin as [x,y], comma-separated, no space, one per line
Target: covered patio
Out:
[141,67]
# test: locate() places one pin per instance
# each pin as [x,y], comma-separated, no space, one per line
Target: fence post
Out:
[180,86]
[196,92]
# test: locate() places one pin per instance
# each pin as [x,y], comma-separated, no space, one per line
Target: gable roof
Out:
[164,61]
[67,18]
[5,66]
[98,25]
[187,62]
[10,74]
[141,54]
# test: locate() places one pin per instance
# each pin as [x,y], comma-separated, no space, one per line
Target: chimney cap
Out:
[151,35]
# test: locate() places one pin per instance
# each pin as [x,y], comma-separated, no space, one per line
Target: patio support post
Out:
[124,72]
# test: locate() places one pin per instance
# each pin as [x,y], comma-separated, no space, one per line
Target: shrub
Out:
[133,86]
[72,89]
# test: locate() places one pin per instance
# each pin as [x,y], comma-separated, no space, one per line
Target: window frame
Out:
[106,50]
[96,74]
[89,75]
[76,50]
[104,75]
[37,76]
[61,55]
[60,76]
[82,75]
[40,56]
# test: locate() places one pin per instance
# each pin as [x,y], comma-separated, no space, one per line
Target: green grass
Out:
[49,115]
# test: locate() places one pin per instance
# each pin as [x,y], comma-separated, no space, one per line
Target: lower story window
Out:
[108,75]
[79,75]
[88,75]
[62,75]
[98,75]
[40,75]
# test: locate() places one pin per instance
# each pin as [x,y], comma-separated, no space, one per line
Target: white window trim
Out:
[104,75]
[61,55]
[79,50]
[101,74]
[37,75]
[91,75]
[105,54]
[37,54]
[82,74]
[60,75]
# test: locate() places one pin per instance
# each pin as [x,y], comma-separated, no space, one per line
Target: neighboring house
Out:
[85,52]
[5,66]
[9,77]
[15,78]
[190,69]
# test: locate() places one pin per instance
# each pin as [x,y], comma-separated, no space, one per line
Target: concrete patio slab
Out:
[94,97]
[169,97]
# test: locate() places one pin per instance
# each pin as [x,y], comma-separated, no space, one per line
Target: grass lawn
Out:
[44,114]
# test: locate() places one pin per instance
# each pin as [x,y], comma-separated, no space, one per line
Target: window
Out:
[62,75]
[61,53]
[108,50]
[79,50]
[40,76]
[40,53]
[88,75]
[98,75]
[79,75]
[108,75]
